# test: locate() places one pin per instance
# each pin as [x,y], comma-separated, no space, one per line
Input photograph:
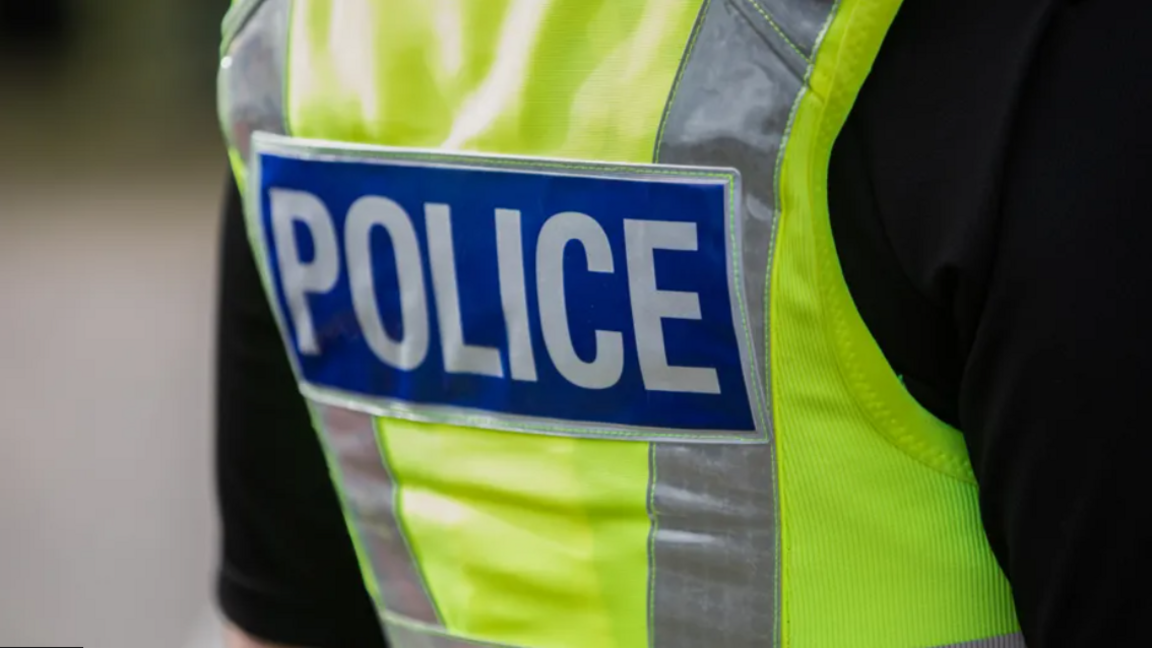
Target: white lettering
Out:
[368,212]
[650,305]
[299,278]
[605,370]
[459,356]
[510,254]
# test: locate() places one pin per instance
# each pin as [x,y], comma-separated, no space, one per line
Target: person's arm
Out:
[288,573]
[1055,398]
[990,199]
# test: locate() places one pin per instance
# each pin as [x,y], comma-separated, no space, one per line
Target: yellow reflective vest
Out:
[571,475]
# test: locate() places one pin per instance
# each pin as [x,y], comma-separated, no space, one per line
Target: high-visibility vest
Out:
[605,462]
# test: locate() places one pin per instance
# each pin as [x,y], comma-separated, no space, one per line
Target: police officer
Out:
[685,323]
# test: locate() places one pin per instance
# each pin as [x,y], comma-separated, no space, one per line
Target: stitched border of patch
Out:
[266,144]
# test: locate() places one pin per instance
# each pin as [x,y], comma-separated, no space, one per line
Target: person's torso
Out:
[559,284]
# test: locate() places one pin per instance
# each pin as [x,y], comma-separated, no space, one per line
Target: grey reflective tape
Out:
[235,19]
[797,24]
[250,82]
[1015,640]
[404,633]
[370,496]
[732,108]
[714,546]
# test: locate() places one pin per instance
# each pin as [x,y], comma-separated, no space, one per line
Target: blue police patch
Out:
[520,294]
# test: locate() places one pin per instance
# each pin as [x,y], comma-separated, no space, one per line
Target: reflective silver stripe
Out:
[250,83]
[731,109]
[1005,641]
[796,24]
[235,19]
[369,497]
[403,633]
[714,572]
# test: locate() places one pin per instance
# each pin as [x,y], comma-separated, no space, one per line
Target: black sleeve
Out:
[1057,384]
[989,198]
[288,573]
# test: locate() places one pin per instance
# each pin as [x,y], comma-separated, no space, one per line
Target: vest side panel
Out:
[882,539]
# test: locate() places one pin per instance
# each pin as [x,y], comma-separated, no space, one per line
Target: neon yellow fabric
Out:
[881,537]
[511,531]
[580,79]
[517,533]
[238,171]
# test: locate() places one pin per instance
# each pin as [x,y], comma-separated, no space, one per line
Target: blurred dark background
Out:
[37,29]
[110,175]
[144,68]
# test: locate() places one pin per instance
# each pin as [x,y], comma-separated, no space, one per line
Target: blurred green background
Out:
[110,178]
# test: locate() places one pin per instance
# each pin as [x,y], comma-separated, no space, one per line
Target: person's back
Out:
[614,334]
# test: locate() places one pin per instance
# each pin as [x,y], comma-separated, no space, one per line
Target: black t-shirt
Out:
[987,198]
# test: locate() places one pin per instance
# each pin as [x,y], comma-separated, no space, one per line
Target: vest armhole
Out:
[843,62]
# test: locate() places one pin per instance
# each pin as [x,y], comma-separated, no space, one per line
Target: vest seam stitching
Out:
[285,69]
[780,31]
[688,51]
[652,532]
[782,630]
